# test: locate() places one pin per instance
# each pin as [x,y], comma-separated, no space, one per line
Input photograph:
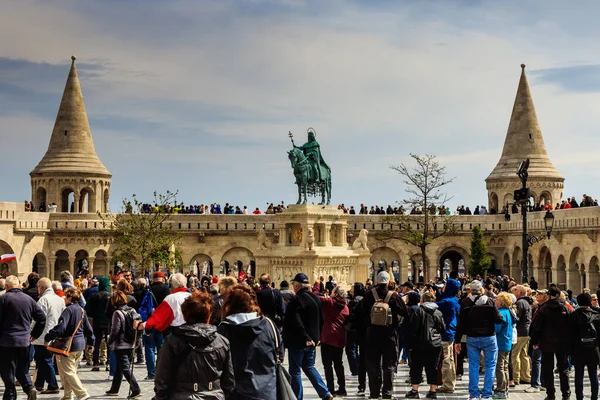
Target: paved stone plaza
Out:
[97,385]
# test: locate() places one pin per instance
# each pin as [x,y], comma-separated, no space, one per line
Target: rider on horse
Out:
[312,151]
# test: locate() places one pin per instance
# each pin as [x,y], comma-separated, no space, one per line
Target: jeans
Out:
[331,357]
[124,359]
[45,368]
[489,346]
[536,368]
[304,360]
[14,363]
[352,352]
[382,356]
[592,374]
[153,340]
[548,373]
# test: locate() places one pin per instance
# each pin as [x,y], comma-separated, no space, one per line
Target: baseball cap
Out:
[542,291]
[158,274]
[554,291]
[408,284]
[300,278]
[383,277]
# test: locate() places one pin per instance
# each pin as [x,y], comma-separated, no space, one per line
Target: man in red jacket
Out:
[333,338]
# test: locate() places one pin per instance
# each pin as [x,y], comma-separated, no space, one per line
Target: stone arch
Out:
[87,200]
[561,272]
[385,257]
[11,267]
[105,197]
[416,269]
[234,259]
[593,278]
[82,263]
[450,260]
[493,203]
[545,196]
[201,264]
[506,264]
[67,199]
[40,197]
[544,270]
[508,198]
[40,265]
[62,263]
[575,272]
[100,264]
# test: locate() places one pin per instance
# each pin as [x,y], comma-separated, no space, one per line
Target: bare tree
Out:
[421,226]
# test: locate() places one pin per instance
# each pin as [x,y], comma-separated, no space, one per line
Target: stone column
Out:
[76,196]
[72,265]
[361,269]
[51,266]
[328,235]
[91,260]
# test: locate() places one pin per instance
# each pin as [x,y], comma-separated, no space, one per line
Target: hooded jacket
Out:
[449,307]
[253,352]
[579,321]
[194,364]
[523,306]
[426,327]
[477,318]
[335,313]
[550,327]
[98,303]
[52,306]
[504,330]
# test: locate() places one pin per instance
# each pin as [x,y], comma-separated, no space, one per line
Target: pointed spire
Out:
[524,140]
[71,147]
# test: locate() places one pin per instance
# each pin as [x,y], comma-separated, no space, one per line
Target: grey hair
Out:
[66,276]
[340,291]
[178,281]
[141,282]
[45,283]
[56,285]
[303,285]
[12,282]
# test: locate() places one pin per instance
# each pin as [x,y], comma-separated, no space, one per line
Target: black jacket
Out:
[397,306]
[271,303]
[523,306]
[253,356]
[477,318]
[580,320]
[160,291]
[426,327]
[302,322]
[194,355]
[550,327]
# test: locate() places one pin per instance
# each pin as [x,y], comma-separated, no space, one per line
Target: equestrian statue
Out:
[313,175]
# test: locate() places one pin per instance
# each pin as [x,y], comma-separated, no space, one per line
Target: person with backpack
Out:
[382,309]
[96,309]
[477,318]
[550,333]
[426,325]
[585,325]
[449,307]
[151,339]
[122,340]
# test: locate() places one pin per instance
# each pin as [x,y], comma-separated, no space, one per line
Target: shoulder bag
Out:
[284,387]
[62,345]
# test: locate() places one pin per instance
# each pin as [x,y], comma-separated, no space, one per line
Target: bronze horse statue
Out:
[308,183]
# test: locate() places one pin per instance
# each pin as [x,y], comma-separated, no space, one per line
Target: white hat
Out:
[383,277]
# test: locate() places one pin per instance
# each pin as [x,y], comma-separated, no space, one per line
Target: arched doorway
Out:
[383,258]
[105,200]
[201,265]
[545,267]
[11,267]
[40,265]
[575,278]
[61,263]
[81,263]
[493,202]
[40,197]
[100,267]
[67,199]
[593,274]
[449,263]
[561,272]
[506,264]
[236,259]
[87,201]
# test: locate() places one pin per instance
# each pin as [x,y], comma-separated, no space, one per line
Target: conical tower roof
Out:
[524,140]
[71,148]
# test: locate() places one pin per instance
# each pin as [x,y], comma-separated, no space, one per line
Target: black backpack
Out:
[129,332]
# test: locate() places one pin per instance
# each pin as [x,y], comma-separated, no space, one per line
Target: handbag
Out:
[284,379]
[62,345]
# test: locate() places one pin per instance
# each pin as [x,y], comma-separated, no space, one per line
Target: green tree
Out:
[145,235]
[480,262]
[423,183]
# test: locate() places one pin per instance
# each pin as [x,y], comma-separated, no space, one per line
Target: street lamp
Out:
[522,197]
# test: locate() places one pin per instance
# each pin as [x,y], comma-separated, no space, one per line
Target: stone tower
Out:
[524,140]
[70,174]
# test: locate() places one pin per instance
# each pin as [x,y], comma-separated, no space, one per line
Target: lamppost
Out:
[522,197]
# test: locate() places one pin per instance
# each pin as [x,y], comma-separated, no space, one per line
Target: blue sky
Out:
[198,96]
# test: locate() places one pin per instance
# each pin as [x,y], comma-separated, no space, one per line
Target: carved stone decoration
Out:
[264,243]
[310,238]
[361,242]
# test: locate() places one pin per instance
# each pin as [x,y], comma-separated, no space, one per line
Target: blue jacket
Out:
[504,331]
[449,307]
[17,310]
[67,323]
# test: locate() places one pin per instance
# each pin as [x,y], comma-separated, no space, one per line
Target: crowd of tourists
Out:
[224,339]
[214,208]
